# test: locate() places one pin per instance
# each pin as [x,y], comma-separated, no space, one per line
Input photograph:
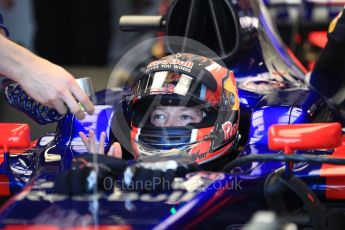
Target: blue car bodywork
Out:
[200,199]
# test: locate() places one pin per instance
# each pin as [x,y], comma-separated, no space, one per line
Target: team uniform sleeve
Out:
[329,71]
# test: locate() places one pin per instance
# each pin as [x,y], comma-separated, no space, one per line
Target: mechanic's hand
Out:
[53,86]
[47,83]
[90,143]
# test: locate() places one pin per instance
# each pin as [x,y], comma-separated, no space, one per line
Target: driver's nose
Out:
[172,121]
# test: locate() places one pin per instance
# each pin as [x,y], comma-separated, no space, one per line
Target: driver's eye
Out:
[158,116]
[186,117]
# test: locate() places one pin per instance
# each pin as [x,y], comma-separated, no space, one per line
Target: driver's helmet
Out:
[191,81]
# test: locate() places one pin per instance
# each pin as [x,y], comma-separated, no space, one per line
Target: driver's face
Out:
[175,116]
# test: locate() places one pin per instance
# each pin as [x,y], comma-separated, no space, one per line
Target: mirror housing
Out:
[291,137]
[14,136]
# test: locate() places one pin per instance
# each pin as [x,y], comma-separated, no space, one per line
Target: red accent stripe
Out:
[318,38]
[209,203]
[311,198]
[13,199]
[208,213]
[212,210]
[31,227]
[33,143]
[335,175]
[5,148]
[297,62]
[4,185]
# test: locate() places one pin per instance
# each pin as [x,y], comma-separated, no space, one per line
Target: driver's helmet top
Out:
[185,102]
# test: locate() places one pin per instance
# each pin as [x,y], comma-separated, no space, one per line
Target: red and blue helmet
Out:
[191,81]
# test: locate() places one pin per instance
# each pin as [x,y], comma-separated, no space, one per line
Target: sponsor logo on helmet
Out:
[170,63]
[229,130]
[199,156]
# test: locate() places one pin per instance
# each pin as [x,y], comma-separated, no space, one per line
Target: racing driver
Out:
[184,102]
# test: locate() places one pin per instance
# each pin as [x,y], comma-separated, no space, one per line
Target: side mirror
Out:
[304,136]
[14,136]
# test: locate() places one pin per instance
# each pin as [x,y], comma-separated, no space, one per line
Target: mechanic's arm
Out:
[90,143]
[329,72]
[47,83]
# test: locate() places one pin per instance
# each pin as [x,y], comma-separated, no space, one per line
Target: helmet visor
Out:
[167,83]
[166,99]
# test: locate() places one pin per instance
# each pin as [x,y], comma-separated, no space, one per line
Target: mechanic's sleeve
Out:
[329,72]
